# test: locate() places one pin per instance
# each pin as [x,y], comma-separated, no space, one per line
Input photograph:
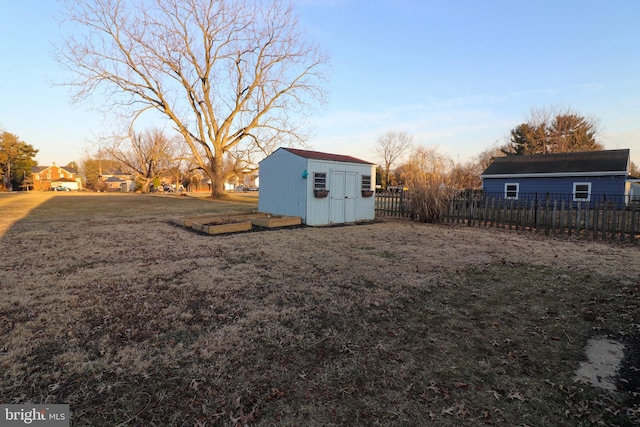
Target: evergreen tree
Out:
[16,160]
[560,132]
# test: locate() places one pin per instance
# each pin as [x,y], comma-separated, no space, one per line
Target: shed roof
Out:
[584,162]
[317,155]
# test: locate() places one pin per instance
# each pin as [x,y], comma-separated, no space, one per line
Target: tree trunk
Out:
[8,180]
[385,184]
[145,185]
[217,178]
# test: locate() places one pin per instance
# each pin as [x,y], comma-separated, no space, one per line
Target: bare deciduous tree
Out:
[228,74]
[93,165]
[147,155]
[483,159]
[465,176]
[389,148]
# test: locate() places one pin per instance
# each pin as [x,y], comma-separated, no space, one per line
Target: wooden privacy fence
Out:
[392,204]
[605,218]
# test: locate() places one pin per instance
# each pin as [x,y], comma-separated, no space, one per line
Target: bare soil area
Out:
[108,306]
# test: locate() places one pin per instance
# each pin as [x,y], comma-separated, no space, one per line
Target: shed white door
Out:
[344,194]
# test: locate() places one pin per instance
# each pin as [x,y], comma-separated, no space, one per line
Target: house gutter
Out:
[553,174]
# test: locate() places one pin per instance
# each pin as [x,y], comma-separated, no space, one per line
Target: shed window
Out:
[581,191]
[366,182]
[319,181]
[511,190]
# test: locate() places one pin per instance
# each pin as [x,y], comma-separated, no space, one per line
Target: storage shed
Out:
[320,188]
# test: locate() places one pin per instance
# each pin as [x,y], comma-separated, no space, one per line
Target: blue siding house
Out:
[589,176]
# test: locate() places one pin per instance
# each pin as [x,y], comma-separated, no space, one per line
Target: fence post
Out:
[537,214]
[587,209]
[605,217]
[578,218]
[615,220]
[485,204]
[596,219]
[511,213]
[546,213]
[470,208]
[623,223]
[634,207]
[493,212]
[554,218]
[569,215]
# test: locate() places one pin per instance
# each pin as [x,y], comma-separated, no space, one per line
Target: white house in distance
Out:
[321,188]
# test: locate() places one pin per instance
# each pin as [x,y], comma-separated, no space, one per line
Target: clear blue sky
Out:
[454,74]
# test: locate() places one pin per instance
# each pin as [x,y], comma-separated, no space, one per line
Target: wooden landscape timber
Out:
[203,219]
[272,221]
[234,222]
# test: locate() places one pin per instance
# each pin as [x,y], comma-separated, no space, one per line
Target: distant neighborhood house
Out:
[50,177]
[587,176]
[116,180]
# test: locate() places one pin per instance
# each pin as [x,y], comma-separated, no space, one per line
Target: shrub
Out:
[429,201]
[430,189]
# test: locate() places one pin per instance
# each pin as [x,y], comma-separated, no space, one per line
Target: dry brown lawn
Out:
[133,321]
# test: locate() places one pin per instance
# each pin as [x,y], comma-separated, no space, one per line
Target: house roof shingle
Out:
[39,169]
[583,162]
[113,172]
[317,155]
[114,179]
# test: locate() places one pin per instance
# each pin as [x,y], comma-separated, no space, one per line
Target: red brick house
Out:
[48,177]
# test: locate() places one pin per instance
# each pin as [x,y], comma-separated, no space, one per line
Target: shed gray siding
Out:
[282,187]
